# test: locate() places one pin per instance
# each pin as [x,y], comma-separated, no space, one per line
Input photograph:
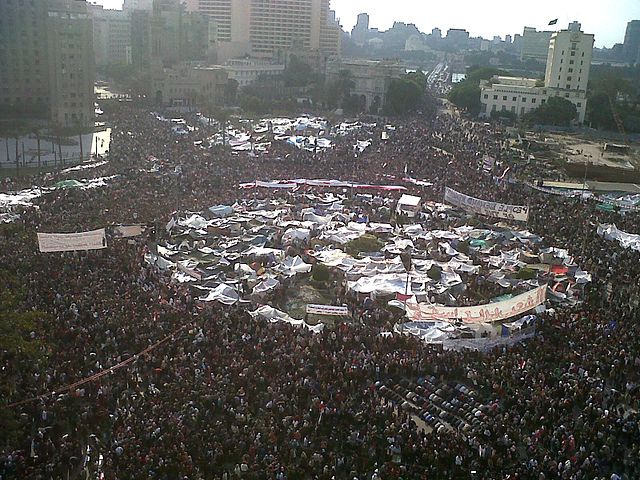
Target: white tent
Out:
[409,205]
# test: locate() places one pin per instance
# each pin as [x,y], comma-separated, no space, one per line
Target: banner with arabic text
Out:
[484,207]
[327,310]
[489,313]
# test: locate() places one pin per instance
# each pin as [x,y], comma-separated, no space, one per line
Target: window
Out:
[486,96]
[495,97]
[566,95]
[533,100]
[560,69]
[570,62]
[568,87]
[570,70]
[543,101]
[504,108]
[579,104]
[569,78]
[504,97]
[573,54]
[514,99]
[513,108]
[524,99]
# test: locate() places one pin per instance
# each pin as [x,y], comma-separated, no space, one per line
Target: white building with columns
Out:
[566,75]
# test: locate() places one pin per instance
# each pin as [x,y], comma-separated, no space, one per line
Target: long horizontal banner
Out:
[292,184]
[492,312]
[327,310]
[484,207]
[68,242]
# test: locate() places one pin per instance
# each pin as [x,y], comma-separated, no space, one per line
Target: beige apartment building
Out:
[47,60]
[272,29]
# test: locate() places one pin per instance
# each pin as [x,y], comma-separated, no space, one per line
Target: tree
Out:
[404,95]
[466,94]
[339,91]
[556,111]
[231,91]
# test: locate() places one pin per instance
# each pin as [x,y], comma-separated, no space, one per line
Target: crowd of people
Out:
[217,394]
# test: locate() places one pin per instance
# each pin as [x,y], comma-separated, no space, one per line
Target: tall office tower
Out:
[47,58]
[111,36]
[569,59]
[631,46]
[24,71]
[270,29]
[360,31]
[534,44]
[71,62]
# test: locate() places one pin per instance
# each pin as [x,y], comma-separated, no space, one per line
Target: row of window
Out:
[514,99]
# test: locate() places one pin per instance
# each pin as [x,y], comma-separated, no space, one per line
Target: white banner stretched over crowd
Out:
[327,310]
[627,240]
[492,312]
[299,182]
[484,207]
[68,242]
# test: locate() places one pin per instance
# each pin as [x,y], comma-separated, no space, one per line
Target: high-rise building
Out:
[569,59]
[24,71]
[46,53]
[168,35]
[271,29]
[360,31]
[129,6]
[535,45]
[567,76]
[111,36]
[71,62]
[458,38]
[631,47]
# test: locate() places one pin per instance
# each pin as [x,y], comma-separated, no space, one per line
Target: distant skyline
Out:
[607,20]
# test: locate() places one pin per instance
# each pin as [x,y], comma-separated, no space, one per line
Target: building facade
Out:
[47,60]
[360,31]
[187,85]
[371,78]
[534,44]
[247,71]
[71,62]
[631,46]
[567,76]
[272,29]
[168,35]
[569,60]
[111,36]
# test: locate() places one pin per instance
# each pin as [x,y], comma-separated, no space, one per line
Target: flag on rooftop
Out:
[553,22]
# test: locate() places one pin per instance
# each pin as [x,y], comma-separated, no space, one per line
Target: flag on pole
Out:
[402,297]
[553,22]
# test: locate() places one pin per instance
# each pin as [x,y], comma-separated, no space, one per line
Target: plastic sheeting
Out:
[273,315]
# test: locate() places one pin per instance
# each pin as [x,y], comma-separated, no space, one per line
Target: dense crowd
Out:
[227,396]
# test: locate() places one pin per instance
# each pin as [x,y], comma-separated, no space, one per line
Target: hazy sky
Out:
[607,19]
